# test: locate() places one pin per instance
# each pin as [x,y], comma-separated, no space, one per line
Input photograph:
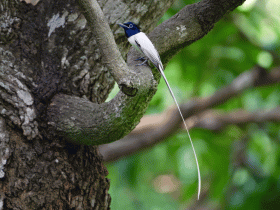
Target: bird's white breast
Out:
[132,39]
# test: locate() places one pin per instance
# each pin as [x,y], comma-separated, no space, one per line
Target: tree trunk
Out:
[47,48]
[38,169]
[45,174]
[53,84]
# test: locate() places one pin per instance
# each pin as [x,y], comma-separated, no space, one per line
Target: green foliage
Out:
[240,164]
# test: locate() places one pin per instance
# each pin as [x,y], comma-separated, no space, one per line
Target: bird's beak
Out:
[121,25]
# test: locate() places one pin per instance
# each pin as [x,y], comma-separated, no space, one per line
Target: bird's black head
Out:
[130,29]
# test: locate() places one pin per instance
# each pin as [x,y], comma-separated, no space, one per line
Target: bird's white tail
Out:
[197,165]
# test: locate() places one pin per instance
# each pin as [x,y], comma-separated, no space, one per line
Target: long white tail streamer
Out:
[143,44]
[197,165]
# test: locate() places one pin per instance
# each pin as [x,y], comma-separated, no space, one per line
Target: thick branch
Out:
[88,123]
[110,52]
[189,25]
[154,129]
[85,122]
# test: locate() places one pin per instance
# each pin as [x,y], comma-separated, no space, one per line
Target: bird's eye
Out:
[130,26]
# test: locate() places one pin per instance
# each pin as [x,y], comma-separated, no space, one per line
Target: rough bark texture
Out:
[46,49]
[44,175]
[182,29]
[50,63]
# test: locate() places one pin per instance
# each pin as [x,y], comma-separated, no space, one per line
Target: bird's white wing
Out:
[144,44]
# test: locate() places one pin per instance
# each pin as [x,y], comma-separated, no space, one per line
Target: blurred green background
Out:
[239,165]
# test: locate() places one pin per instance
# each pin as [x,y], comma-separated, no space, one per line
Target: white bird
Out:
[142,43]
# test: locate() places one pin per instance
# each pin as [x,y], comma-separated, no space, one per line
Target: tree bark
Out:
[45,49]
[53,82]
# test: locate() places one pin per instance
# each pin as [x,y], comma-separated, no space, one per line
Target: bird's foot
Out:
[144,62]
[141,59]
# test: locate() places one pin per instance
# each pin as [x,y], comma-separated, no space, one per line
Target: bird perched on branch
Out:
[143,44]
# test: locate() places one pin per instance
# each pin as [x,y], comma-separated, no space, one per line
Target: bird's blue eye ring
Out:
[130,26]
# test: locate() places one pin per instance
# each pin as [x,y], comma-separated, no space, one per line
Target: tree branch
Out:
[216,121]
[87,123]
[156,128]
[190,24]
[111,55]
[84,122]
[210,120]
